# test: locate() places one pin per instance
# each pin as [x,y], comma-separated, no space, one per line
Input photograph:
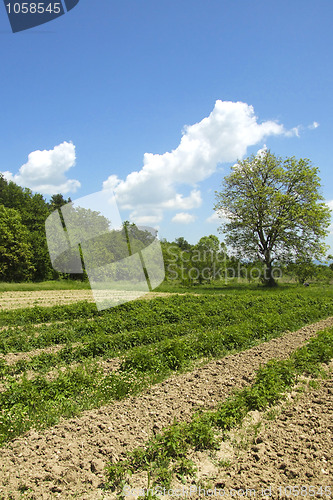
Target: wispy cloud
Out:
[313,125]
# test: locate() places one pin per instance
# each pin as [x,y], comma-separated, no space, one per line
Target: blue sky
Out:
[108,90]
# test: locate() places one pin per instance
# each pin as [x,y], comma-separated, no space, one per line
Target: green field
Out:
[151,339]
[44,285]
[165,456]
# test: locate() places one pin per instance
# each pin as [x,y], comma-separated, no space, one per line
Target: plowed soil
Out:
[67,461]
[46,298]
[294,449]
[287,455]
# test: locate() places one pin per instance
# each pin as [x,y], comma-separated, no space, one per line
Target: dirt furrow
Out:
[13,357]
[47,298]
[290,452]
[68,459]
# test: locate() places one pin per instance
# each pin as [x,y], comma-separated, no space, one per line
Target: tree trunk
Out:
[269,280]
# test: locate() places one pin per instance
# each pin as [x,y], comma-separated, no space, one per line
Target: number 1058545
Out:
[34,8]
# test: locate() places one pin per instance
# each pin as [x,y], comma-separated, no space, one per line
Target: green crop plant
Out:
[166,454]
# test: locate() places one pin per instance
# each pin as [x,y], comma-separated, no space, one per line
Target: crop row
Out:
[150,354]
[41,314]
[166,455]
[189,312]
[81,310]
[203,329]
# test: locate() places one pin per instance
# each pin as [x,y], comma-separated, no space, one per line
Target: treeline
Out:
[24,254]
[208,261]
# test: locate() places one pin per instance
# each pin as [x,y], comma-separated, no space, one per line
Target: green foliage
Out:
[165,455]
[40,314]
[230,413]
[151,347]
[40,403]
[201,434]
[57,201]
[143,333]
[33,211]
[319,350]
[303,269]
[116,474]
[275,210]
[194,264]
[59,284]
[271,382]
[16,252]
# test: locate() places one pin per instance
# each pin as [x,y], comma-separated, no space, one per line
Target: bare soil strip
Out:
[16,300]
[13,357]
[69,458]
[280,456]
[294,449]
[287,455]
[46,298]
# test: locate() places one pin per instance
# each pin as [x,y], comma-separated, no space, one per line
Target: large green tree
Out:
[272,209]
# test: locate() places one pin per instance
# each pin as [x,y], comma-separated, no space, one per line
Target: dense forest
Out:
[23,248]
[24,254]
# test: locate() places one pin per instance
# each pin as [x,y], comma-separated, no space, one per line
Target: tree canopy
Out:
[33,210]
[16,253]
[272,209]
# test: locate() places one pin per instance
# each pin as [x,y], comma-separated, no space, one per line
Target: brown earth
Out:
[16,300]
[46,298]
[67,461]
[273,454]
[276,451]
[13,357]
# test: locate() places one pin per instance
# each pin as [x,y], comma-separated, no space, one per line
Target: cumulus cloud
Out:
[223,136]
[183,218]
[152,219]
[313,125]
[213,218]
[45,171]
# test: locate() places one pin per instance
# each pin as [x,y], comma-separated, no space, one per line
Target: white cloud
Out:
[45,171]
[330,204]
[313,125]
[111,183]
[213,218]
[149,220]
[295,131]
[223,136]
[185,203]
[183,218]
[262,151]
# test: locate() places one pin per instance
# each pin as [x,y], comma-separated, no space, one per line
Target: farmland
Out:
[81,388]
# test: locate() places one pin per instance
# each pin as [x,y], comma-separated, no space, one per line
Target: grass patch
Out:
[44,285]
